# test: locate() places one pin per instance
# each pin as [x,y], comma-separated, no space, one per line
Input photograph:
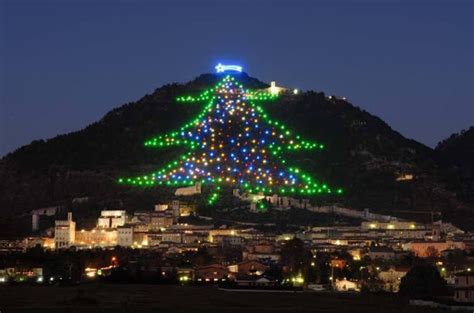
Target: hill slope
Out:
[363,155]
[457,154]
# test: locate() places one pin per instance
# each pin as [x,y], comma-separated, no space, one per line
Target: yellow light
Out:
[90,274]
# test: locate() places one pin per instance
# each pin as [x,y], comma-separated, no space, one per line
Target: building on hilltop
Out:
[112,218]
[189,191]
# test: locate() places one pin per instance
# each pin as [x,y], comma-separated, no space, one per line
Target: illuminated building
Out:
[189,191]
[112,218]
[389,225]
[64,232]
[222,232]
[97,237]
[125,236]
[392,277]
[425,249]
[211,273]
[275,90]
[381,253]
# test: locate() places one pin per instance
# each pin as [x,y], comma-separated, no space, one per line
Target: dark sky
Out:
[64,64]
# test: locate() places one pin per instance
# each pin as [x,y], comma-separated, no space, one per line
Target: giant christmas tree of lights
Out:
[233,141]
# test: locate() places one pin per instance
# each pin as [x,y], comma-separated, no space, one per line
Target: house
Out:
[381,253]
[464,287]
[392,277]
[211,273]
[263,250]
[185,274]
[255,256]
[346,285]
[254,281]
[251,267]
[425,249]
[228,240]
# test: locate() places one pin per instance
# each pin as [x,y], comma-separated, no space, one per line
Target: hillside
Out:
[363,155]
[457,155]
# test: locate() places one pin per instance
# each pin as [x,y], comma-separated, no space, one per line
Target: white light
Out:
[221,68]
[295,91]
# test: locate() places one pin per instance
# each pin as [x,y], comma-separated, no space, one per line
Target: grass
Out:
[104,298]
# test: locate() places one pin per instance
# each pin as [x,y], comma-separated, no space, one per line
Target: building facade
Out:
[64,232]
[464,287]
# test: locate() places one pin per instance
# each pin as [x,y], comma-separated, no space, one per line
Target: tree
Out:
[298,260]
[234,142]
[293,254]
[423,281]
[431,252]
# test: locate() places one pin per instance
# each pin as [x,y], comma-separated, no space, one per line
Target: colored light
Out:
[232,141]
[221,68]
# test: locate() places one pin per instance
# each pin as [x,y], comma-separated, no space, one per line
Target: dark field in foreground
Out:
[163,298]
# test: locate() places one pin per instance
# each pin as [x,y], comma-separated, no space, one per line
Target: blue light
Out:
[221,68]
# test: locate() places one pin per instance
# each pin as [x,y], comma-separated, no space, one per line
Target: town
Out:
[172,243]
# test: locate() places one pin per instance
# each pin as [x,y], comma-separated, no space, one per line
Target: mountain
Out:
[371,161]
[456,153]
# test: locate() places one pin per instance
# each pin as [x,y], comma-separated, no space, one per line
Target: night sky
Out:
[63,66]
